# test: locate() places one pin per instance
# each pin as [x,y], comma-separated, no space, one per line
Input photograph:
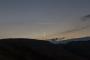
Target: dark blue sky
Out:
[22,18]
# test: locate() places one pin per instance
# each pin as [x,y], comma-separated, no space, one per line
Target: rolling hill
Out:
[32,49]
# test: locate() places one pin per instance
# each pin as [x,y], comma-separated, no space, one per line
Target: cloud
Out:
[86,18]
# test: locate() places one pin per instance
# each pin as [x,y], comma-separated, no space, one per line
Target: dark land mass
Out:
[32,49]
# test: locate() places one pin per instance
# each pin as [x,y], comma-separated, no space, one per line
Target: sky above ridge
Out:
[42,18]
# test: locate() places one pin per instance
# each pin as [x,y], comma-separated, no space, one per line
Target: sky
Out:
[43,18]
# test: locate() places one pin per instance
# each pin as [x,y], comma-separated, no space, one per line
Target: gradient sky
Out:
[35,18]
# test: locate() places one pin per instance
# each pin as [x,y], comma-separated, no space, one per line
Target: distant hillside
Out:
[32,49]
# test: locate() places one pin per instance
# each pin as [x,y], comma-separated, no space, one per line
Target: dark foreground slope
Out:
[31,49]
[80,47]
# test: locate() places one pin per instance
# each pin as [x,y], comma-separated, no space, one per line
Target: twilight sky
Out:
[42,18]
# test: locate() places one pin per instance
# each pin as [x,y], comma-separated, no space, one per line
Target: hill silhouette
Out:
[32,49]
